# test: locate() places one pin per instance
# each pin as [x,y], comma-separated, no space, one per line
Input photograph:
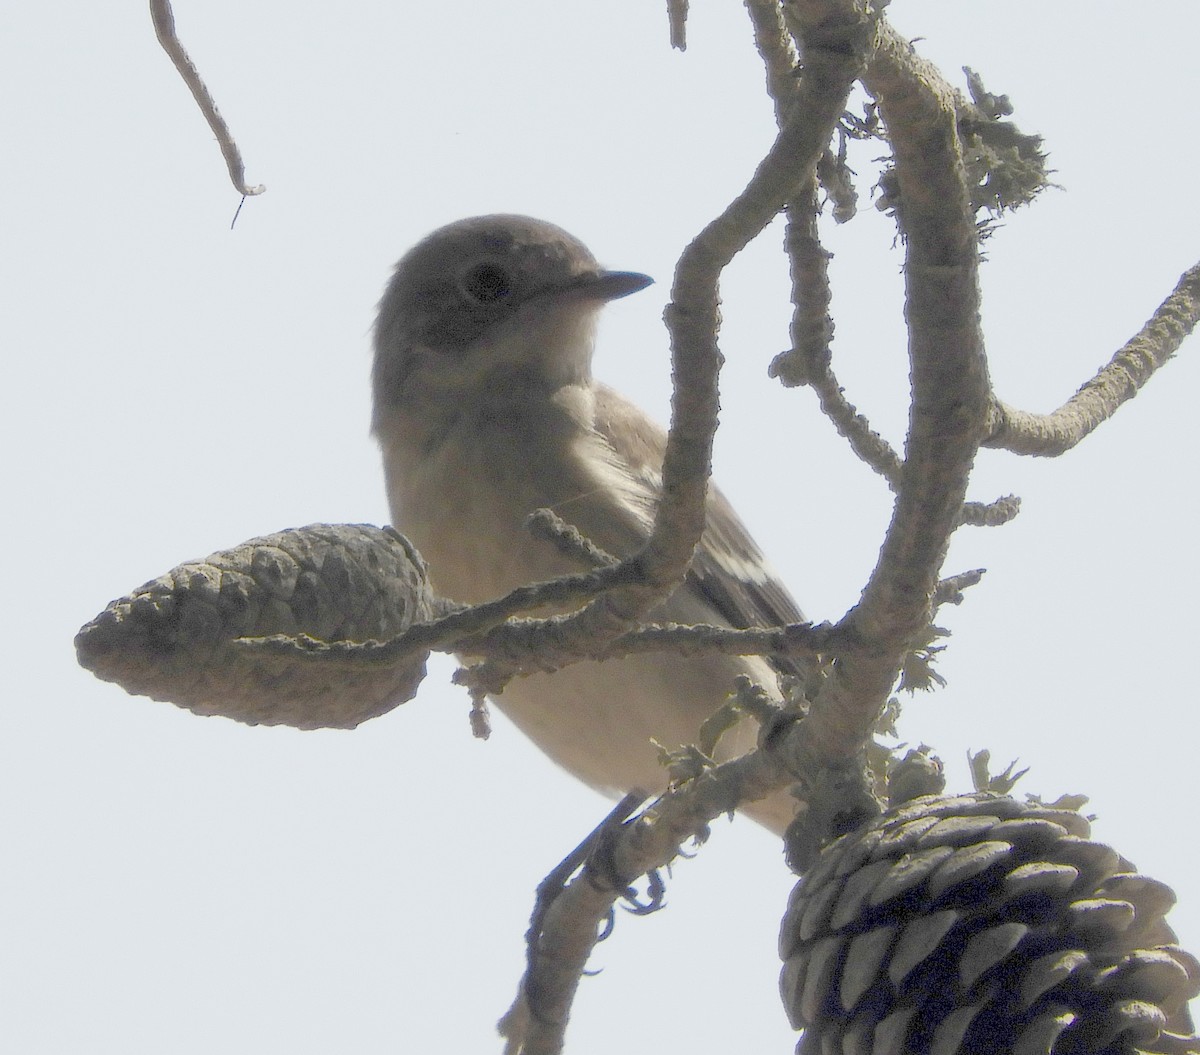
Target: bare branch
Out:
[692,316]
[164,28]
[949,372]
[797,641]
[528,645]
[523,646]
[1048,435]
[570,926]
[949,378]
[555,960]
[693,322]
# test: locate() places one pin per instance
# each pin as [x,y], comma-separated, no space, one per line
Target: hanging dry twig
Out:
[164,28]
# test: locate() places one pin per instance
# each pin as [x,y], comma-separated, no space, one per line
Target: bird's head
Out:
[501,302]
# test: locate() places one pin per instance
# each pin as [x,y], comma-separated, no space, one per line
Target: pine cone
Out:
[175,637]
[982,925]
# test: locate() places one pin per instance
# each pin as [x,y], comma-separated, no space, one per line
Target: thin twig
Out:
[855,429]
[808,360]
[447,633]
[164,28]
[527,644]
[547,526]
[990,514]
[950,590]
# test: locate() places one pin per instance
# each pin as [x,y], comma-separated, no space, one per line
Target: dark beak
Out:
[610,285]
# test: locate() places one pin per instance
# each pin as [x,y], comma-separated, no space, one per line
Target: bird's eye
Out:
[486,283]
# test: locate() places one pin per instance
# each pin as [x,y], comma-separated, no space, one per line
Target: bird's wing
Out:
[728,571]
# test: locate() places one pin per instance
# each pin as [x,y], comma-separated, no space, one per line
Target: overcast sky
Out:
[185,885]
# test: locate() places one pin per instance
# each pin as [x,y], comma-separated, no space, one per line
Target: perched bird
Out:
[485,409]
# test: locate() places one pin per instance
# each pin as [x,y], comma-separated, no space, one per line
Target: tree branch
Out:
[1048,435]
[570,926]
[693,322]
[949,398]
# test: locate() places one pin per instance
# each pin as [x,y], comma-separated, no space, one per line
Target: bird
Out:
[485,410]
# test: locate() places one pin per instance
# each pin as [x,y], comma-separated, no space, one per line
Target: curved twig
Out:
[854,427]
[807,362]
[1048,435]
[164,28]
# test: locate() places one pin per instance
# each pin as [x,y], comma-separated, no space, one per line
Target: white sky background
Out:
[184,885]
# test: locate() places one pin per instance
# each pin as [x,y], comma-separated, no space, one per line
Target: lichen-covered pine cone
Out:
[981,925]
[176,638]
